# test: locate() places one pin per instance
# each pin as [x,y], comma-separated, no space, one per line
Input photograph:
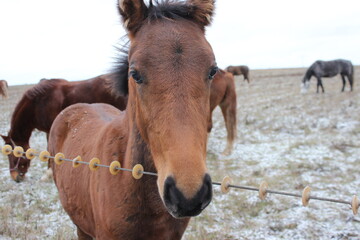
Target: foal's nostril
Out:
[180,206]
[206,191]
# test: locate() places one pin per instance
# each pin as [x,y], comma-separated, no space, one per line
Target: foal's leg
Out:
[343,80]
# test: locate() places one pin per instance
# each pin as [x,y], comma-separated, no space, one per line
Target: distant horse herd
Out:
[157,113]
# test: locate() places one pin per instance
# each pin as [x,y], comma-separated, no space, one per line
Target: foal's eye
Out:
[213,72]
[136,76]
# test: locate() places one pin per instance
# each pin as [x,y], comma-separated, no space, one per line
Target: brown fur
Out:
[223,94]
[239,70]
[4,89]
[164,127]
[42,103]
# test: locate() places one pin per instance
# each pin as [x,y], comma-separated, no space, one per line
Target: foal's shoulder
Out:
[86,117]
[86,110]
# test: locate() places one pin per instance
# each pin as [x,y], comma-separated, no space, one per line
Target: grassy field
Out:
[289,139]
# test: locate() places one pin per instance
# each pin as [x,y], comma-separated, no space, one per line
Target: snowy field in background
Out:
[289,139]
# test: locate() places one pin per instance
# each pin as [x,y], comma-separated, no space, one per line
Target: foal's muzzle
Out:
[179,206]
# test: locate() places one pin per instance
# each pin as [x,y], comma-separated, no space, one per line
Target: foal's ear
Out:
[202,10]
[133,13]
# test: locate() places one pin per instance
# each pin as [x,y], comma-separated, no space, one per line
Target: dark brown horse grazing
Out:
[40,105]
[3,88]
[223,94]
[164,128]
[239,70]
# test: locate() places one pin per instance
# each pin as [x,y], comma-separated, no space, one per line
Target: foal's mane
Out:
[120,73]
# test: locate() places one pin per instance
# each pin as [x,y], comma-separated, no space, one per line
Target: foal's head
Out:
[171,66]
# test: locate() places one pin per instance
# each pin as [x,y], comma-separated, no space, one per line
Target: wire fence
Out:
[138,171]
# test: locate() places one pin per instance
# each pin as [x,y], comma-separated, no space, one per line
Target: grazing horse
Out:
[40,105]
[164,128]
[3,88]
[321,69]
[239,70]
[223,94]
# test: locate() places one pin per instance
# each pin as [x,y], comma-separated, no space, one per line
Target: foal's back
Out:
[101,129]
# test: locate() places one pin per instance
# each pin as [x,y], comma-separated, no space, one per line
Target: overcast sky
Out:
[75,39]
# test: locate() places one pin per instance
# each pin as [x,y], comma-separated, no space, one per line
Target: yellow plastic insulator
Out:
[30,153]
[355,204]
[44,156]
[114,167]
[18,151]
[225,184]
[138,171]
[7,149]
[57,159]
[306,196]
[76,162]
[92,163]
[262,190]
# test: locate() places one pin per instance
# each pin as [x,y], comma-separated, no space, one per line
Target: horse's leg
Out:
[228,108]
[351,80]
[344,82]
[322,87]
[317,85]
[246,76]
[82,235]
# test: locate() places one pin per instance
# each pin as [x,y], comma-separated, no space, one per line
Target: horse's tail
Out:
[6,94]
[348,70]
[352,76]
[4,89]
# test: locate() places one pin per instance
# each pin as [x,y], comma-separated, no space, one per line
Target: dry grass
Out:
[286,138]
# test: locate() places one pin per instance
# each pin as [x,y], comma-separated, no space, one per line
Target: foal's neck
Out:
[150,214]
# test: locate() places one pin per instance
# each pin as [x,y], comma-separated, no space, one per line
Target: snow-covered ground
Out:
[289,139]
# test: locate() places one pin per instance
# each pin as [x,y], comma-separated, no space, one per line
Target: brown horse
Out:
[3,88]
[40,105]
[239,70]
[223,94]
[164,128]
